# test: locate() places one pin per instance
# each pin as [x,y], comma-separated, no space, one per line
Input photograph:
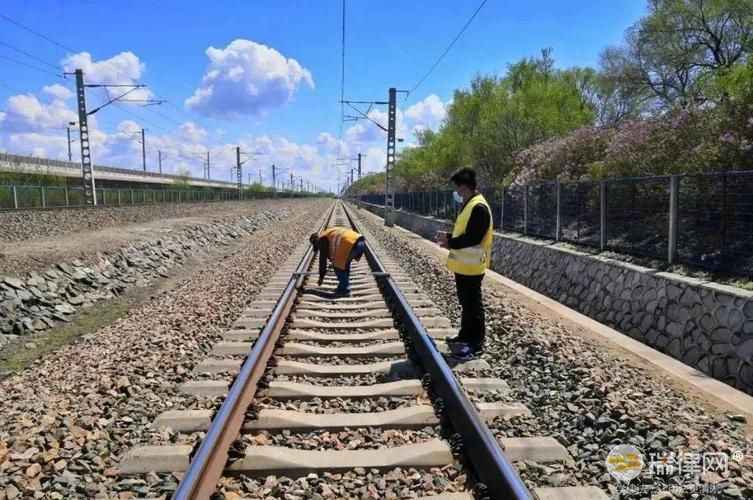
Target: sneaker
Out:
[453,340]
[460,349]
[465,352]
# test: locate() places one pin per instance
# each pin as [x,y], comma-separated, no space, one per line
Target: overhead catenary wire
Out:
[29,55]
[57,44]
[447,50]
[40,35]
[31,66]
[342,73]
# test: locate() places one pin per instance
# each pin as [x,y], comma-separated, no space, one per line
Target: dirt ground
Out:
[44,250]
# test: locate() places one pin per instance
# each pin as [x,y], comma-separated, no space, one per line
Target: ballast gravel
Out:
[586,397]
[359,483]
[67,420]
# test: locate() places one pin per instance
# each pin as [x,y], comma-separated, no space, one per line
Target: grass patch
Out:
[16,356]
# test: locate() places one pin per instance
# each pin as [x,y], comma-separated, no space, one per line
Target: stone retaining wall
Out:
[706,325]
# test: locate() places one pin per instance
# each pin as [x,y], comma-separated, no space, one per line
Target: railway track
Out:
[301,366]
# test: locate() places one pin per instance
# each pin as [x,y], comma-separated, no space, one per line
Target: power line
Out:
[457,37]
[29,55]
[40,35]
[54,42]
[342,76]
[31,66]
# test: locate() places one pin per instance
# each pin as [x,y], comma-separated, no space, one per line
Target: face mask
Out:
[456,196]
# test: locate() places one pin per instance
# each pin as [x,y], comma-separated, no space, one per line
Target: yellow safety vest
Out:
[471,261]
[341,242]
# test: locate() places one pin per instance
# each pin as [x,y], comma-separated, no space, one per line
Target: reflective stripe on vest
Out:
[472,260]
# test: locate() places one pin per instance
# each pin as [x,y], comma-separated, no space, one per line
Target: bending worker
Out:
[340,245]
[470,248]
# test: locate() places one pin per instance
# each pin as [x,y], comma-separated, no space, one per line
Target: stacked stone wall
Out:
[704,324]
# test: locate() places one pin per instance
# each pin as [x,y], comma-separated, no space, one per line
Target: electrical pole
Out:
[143,149]
[208,176]
[291,181]
[87,172]
[159,160]
[239,172]
[274,181]
[301,185]
[260,180]
[359,166]
[389,202]
[70,156]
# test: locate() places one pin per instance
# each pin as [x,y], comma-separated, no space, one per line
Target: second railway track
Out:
[319,387]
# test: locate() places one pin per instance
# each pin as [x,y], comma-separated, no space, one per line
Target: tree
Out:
[672,51]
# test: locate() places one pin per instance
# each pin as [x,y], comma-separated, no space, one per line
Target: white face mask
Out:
[456,196]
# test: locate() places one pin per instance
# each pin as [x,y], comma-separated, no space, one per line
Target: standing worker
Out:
[470,248]
[340,245]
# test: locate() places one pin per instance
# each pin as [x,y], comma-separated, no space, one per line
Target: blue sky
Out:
[388,43]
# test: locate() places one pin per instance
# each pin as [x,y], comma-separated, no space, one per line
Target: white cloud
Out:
[57,91]
[123,68]
[327,141]
[247,78]
[38,144]
[192,132]
[25,113]
[426,114]
[366,131]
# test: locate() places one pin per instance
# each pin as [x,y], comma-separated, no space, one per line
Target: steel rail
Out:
[479,446]
[206,467]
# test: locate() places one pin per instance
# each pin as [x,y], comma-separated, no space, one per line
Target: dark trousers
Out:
[472,328]
[343,276]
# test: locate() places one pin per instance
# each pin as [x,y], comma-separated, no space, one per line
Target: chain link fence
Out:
[703,220]
[17,197]
[580,211]
[637,216]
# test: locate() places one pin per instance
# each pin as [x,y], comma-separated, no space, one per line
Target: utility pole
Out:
[389,201]
[359,166]
[239,172]
[143,149]
[301,185]
[274,181]
[87,172]
[260,180]
[159,160]
[68,129]
[208,175]
[291,181]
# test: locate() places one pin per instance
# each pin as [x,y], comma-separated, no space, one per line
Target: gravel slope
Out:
[67,421]
[36,240]
[579,393]
[25,225]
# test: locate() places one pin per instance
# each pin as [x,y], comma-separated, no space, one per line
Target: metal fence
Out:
[703,220]
[15,197]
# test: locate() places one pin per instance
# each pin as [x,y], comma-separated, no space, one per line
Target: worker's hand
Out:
[442,239]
